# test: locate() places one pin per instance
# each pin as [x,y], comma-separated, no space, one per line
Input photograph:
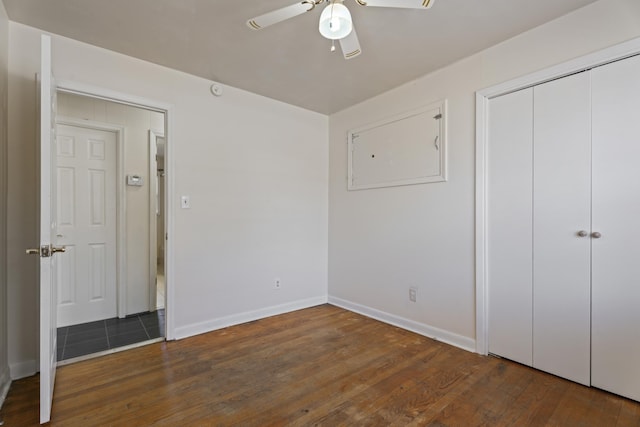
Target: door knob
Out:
[55,249]
[44,251]
[583,233]
[596,235]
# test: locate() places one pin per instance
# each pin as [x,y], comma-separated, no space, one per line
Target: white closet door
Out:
[616,215]
[509,222]
[561,208]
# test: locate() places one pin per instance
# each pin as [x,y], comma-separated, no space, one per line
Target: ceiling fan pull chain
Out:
[333,45]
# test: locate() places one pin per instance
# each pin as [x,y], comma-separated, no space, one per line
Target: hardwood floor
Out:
[319,366]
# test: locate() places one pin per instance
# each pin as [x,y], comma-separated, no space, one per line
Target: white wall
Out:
[136,122]
[4,71]
[383,241]
[256,171]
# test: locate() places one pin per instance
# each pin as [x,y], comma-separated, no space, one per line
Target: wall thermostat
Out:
[216,89]
[135,180]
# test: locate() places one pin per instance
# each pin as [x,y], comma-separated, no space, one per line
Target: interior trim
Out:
[423,329]
[247,316]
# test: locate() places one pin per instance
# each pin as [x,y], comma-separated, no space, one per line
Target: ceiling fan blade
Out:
[350,45]
[280,15]
[409,4]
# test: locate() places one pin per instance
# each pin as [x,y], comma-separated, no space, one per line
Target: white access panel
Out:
[561,209]
[509,225]
[400,150]
[616,215]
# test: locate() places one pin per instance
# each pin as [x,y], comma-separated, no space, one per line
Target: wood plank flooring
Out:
[321,366]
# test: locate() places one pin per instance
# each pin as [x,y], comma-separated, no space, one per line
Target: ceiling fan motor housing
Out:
[335,21]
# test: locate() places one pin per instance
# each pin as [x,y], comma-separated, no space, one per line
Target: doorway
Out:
[125,199]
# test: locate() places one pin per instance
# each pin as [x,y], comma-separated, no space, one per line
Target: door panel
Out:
[97,270]
[87,208]
[509,219]
[616,215]
[561,208]
[47,240]
[66,277]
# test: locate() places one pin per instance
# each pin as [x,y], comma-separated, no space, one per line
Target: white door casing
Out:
[47,238]
[616,216]
[86,208]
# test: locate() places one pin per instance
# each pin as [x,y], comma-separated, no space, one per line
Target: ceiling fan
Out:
[335,20]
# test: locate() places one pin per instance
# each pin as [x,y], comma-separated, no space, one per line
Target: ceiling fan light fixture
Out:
[335,21]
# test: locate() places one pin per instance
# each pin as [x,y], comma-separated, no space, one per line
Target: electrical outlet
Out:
[277,284]
[185,202]
[413,294]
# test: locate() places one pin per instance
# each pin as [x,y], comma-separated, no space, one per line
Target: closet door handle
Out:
[582,233]
[596,235]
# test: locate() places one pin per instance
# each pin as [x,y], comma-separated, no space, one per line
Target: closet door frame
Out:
[613,53]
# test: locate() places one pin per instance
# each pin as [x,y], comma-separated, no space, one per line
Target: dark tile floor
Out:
[87,338]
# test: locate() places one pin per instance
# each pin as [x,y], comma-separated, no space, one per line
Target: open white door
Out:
[47,248]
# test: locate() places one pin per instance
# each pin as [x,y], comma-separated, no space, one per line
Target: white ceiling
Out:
[291,61]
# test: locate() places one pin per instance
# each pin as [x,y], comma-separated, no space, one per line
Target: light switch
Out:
[135,180]
[185,203]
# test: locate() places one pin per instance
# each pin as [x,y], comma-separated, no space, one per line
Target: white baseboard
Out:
[249,316]
[23,369]
[447,337]
[5,384]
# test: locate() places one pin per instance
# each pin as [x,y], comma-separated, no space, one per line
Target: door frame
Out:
[168,111]
[602,57]
[121,203]
[154,134]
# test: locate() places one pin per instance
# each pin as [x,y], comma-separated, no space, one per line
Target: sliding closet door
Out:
[509,221]
[616,216]
[561,210]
